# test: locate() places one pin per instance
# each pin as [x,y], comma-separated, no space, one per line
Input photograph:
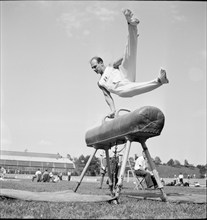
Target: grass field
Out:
[129,208]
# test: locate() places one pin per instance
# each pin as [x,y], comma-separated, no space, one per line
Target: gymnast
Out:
[119,78]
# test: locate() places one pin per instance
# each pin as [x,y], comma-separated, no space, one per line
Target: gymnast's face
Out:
[97,67]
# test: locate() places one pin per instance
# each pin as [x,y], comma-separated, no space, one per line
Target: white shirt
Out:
[110,78]
[140,163]
[180,176]
[38,172]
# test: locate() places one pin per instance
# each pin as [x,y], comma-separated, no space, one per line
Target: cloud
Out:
[86,32]
[70,21]
[102,13]
[77,20]
[176,15]
[43,3]
[45,143]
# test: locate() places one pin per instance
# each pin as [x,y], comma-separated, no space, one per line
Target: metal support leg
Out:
[153,168]
[109,172]
[85,169]
[123,167]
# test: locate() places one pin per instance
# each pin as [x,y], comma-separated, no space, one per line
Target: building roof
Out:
[32,156]
[28,154]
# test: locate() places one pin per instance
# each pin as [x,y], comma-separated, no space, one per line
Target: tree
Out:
[93,168]
[186,164]
[157,161]
[79,164]
[170,162]
[58,156]
[177,163]
[203,170]
[69,157]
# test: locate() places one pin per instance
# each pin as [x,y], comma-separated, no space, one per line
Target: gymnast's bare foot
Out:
[129,17]
[162,78]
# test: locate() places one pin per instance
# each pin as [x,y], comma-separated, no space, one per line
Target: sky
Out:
[49,93]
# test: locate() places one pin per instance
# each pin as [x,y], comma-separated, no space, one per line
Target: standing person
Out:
[103,167]
[69,175]
[175,180]
[103,173]
[114,169]
[141,169]
[119,77]
[181,178]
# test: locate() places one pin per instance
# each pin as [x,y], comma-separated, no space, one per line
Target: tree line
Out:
[95,165]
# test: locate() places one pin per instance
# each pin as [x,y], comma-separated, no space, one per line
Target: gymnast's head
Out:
[97,64]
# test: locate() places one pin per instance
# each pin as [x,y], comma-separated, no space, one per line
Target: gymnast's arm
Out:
[109,101]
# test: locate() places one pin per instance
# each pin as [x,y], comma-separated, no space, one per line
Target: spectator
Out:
[3,172]
[45,176]
[103,172]
[196,184]
[175,180]
[55,179]
[170,184]
[180,177]
[69,175]
[186,184]
[51,175]
[37,175]
[162,181]
[60,175]
[141,169]
[114,169]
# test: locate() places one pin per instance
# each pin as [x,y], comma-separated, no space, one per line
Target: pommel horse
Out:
[136,126]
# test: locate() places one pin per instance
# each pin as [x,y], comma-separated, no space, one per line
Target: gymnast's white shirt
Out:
[111,78]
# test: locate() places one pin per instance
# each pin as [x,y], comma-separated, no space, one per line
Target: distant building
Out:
[29,162]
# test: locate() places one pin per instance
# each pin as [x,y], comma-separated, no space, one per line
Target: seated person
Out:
[162,181]
[50,176]
[140,169]
[60,175]
[37,175]
[45,176]
[186,184]
[55,179]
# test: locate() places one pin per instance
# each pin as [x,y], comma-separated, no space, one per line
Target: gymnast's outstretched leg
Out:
[128,66]
[128,87]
